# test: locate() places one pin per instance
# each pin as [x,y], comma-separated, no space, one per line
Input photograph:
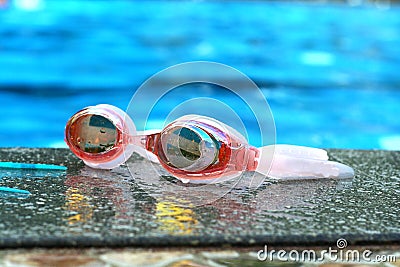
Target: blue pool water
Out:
[330,72]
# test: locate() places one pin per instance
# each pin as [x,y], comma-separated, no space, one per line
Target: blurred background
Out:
[329,70]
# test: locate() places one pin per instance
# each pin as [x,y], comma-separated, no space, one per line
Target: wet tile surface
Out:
[86,207]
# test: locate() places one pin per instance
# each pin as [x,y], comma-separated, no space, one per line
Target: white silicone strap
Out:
[301,152]
[297,162]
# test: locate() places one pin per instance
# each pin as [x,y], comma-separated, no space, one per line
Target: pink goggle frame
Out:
[192,148]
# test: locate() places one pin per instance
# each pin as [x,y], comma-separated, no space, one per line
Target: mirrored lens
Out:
[188,148]
[93,134]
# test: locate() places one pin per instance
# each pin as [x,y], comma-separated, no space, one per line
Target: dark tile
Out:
[86,207]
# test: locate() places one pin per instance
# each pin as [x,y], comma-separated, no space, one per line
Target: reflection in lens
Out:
[189,148]
[186,144]
[93,134]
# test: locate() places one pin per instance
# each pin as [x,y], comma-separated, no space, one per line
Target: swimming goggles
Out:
[192,148]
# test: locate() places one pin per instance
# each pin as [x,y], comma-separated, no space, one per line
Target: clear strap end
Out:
[291,162]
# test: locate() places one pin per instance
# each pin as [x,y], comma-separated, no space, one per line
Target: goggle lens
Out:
[93,134]
[188,148]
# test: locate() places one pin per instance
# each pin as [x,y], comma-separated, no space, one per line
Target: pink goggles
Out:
[192,148]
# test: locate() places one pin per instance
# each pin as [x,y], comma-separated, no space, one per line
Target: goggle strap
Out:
[288,162]
[301,151]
